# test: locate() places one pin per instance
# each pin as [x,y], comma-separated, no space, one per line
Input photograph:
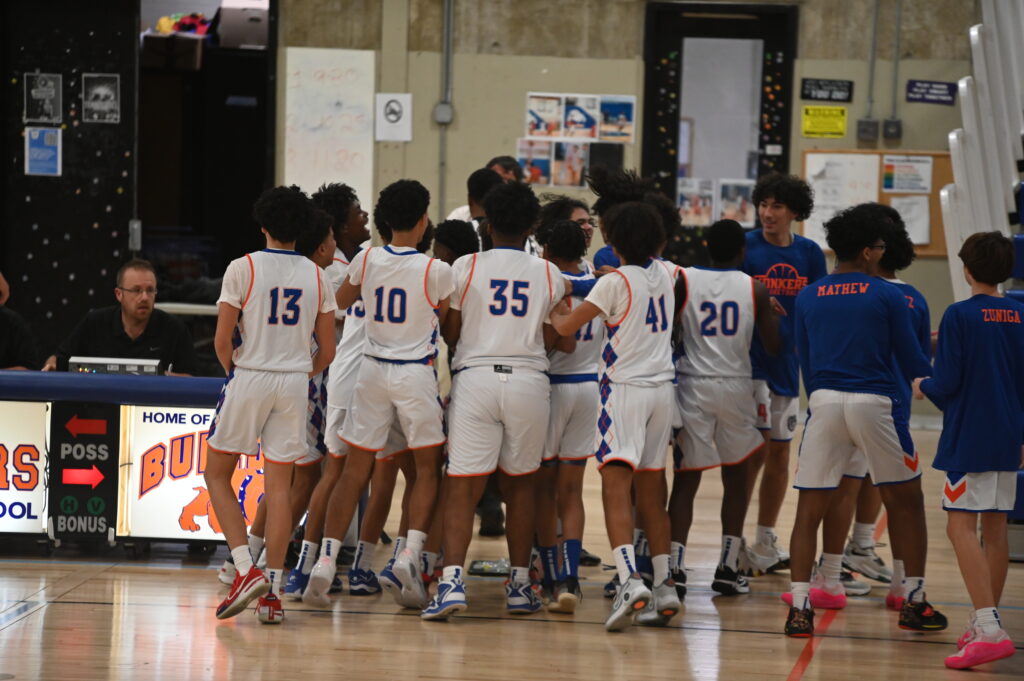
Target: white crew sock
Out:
[255,546]
[520,575]
[452,573]
[731,551]
[307,556]
[913,589]
[765,535]
[678,554]
[364,555]
[330,548]
[898,575]
[274,575]
[801,594]
[831,566]
[864,535]
[625,561]
[661,572]
[987,619]
[242,558]
[414,541]
[399,545]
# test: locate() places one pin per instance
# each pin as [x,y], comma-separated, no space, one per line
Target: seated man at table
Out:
[133,329]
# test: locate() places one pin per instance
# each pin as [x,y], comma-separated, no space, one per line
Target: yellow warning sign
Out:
[823,121]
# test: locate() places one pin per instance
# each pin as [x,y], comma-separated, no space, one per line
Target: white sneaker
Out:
[662,607]
[853,587]
[320,580]
[261,562]
[406,570]
[866,562]
[226,574]
[631,598]
[767,556]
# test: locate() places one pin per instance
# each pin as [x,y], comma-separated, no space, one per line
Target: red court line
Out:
[807,655]
[880,526]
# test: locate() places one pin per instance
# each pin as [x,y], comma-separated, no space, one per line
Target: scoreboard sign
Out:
[84,439]
[22,467]
[165,496]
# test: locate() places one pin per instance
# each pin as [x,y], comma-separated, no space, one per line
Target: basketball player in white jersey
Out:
[637,304]
[722,307]
[405,298]
[571,429]
[272,302]
[498,327]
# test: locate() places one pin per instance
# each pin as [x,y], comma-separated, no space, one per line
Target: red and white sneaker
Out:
[243,590]
[894,601]
[980,649]
[269,609]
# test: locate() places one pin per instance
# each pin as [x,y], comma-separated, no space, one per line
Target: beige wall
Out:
[505,48]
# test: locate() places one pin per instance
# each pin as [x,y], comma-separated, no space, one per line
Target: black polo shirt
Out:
[17,349]
[101,334]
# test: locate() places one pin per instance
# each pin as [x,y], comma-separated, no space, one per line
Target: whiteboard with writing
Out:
[328,131]
[839,181]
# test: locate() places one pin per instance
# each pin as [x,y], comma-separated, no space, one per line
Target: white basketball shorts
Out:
[775,413]
[719,428]
[635,425]
[573,421]
[262,409]
[841,423]
[990,491]
[497,420]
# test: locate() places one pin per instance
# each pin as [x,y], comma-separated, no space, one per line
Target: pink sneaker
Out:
[821,598]
[981,649]
[243,590]
[967,636]
[894,601]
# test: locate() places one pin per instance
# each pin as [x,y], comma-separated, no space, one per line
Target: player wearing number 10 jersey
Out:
[270,304]
[405,298]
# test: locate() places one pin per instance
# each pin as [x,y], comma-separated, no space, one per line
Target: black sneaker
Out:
[729,583]
[612,587]
[589,559]
[679,577]
[492,522]
[921,616]
[800,623]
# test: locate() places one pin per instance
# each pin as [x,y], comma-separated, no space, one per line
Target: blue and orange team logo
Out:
[782,279]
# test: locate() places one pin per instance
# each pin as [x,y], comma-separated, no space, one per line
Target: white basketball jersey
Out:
[589,342]
[401,290]
[336,274]
[718,323]
[279,294]
[348,356]
[505,295]
[637,304]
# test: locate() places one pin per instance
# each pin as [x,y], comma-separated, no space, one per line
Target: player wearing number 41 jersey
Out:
[715,393]
[405,298]
[270,305]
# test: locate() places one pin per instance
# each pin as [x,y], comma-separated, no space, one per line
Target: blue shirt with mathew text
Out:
[978,383]
[849,329]
[784,271]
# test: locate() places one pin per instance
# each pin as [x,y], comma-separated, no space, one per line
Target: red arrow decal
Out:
[82,476]
[77,426]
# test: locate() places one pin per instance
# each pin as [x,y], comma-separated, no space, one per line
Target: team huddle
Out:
[333,352]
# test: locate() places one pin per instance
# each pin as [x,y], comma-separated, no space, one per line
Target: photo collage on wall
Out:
[568,133]
[703,201]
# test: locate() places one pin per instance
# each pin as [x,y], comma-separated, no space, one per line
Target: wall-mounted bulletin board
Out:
[909,181]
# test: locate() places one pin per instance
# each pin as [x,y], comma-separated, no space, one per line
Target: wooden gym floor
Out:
[85,618]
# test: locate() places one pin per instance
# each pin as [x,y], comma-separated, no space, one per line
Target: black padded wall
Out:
[63,238]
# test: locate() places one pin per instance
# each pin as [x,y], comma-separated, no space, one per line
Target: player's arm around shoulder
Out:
[766,319]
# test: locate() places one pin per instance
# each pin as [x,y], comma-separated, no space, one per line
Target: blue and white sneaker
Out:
[612,587]
[320,580]
[411,593]
[521,599]
[388,582]
[363,583]
[296,584]
[450,599]
[337,586]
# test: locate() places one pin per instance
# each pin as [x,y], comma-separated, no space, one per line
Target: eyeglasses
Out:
[139,291]
[880,246]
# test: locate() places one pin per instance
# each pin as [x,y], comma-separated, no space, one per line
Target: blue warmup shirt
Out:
[978,383]
[784,271]
[605,256]
[920,319]
[849,328]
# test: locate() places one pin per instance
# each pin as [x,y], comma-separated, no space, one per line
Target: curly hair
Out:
[457,235]
[337,200]
[725,239]
[899,249]
[850,231]
[988,256]
[556,207]
[512,208]
[565,241]
[284,212]
[788,190]
[482,181]
[400,206]
[616,186]
[635,231]
[670,220]
[315,233]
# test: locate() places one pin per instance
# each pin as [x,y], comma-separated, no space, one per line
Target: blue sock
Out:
[549,559]
[571,550]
